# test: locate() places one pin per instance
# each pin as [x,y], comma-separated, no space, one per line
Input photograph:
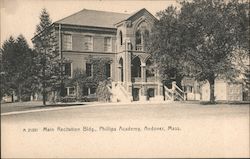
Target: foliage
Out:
[99,71]
[79,81]
[165,44]
[68,99]
[8,51]
[246,79]
[17,68]
[48,63]
[45,21]
[200,39]
[103,93]
[97,80]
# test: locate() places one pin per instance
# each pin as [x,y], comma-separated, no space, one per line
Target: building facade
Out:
[122,38]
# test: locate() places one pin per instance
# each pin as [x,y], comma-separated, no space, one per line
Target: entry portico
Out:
[136,71]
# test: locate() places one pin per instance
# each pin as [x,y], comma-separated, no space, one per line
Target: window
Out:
[71,91]
[142,37]
[92,90]
[107,44]
[67,69]
[151,92]
[189,89]
[107,70]
[64,92]
[88,69]
[88,90]
[138,40]
[67,42]
[85,91]
[138,37]
[88,43]
[136,67]
[121,40]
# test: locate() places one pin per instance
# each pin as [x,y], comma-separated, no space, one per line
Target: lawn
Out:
[129,130]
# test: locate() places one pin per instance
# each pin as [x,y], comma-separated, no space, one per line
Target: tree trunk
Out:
[43,80]
[12,97]
[77,91]
[44,93]
[19,94]
[211,83]
[44,98]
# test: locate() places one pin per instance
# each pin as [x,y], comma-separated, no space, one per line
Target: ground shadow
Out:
[53,106]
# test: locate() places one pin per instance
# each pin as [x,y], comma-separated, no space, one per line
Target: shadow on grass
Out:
[225,102]
[53,106]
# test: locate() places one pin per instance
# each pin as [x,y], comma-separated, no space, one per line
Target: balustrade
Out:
[139,47]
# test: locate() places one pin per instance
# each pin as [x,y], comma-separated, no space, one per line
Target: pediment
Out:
[140,15]
[143,14]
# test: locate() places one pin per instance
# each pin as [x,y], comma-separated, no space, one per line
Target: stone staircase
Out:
[175,93]
[119,93]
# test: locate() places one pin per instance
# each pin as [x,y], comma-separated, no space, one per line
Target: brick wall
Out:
[78,40]
[79,60]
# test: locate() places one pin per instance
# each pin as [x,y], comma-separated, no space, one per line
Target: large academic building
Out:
[121,38]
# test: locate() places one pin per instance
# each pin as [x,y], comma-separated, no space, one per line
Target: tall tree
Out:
[8,52]
[165,45]
[47,59]
[204,36]
[17,66]
[212,41]
[45,21]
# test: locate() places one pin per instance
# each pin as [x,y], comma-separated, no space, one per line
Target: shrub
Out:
[103,93]
[68,99]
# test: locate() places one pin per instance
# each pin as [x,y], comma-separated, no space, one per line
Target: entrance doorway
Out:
[151,93]
[135,93]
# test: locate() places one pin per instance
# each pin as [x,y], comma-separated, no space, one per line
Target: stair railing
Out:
[179,93]
[168,93]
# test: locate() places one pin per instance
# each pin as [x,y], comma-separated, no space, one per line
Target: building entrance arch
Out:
[136,67]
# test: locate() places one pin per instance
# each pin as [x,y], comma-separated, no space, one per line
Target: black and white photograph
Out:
[125,78]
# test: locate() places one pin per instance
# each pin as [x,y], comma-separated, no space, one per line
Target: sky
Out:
[22,16]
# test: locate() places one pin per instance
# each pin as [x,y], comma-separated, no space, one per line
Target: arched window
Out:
[146,34]
[138,37]
[136,67]
[121,40]
[142,36]
[146,40]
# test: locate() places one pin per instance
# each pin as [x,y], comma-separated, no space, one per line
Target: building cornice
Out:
[87,52]
[84,28]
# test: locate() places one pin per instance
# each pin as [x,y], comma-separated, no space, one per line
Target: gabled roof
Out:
[94,18]
[135,13]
